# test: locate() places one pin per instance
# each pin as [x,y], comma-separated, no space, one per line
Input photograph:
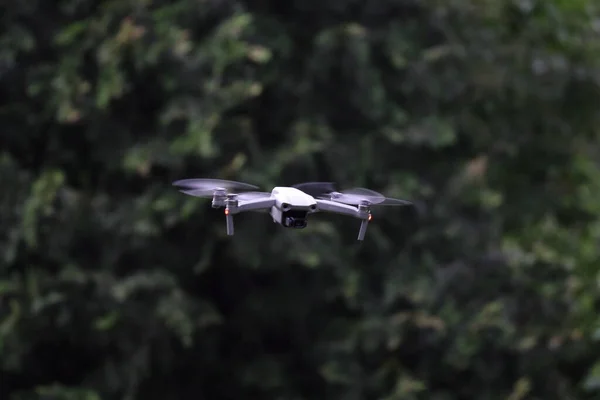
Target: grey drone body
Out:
[287,206]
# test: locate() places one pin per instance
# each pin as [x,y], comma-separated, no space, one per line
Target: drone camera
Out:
[295,218]
[297,223]
[285,207]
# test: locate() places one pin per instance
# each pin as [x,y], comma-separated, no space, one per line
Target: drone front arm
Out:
[344,209]
[233,207]
[339,208]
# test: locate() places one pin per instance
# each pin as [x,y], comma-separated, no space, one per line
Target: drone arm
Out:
[255,205]
[338,208]
[344,209]
[248,205]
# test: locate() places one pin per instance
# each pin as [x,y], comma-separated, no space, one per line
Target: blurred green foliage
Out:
[115,286]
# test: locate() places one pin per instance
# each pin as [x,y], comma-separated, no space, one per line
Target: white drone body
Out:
[288,206]
[291,206]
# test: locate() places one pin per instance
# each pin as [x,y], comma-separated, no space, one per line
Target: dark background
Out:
[113,285]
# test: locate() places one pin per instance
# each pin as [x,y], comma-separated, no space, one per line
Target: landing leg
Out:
[229,219]
[363,229]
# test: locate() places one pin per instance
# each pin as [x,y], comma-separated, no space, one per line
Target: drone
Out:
[288,206]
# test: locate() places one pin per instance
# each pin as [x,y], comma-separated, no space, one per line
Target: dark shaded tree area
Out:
[114,285]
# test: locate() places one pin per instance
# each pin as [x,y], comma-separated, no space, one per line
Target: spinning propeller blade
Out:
[208,187]
[358,196]
[315,189]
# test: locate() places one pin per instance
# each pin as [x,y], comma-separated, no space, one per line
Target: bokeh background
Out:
[113,285]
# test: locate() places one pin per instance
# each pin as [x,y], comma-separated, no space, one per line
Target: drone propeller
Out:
[363,196]
[238,196]
[315,189]
[209,187]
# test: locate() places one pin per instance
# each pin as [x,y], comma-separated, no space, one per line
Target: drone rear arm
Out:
[255,205]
